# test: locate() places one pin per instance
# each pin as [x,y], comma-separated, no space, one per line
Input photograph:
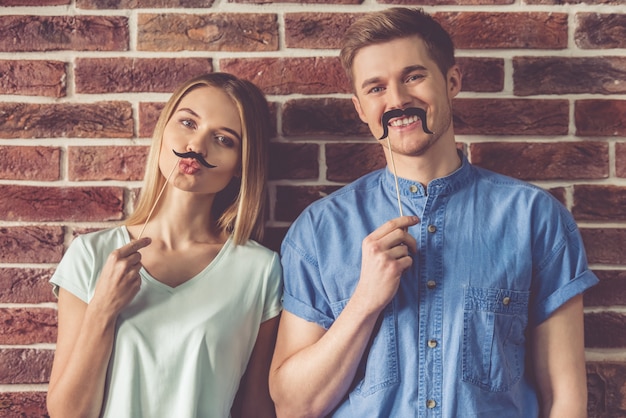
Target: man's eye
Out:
[414,77]
[375,90]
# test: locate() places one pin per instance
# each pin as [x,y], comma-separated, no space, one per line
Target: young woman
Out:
[175,313]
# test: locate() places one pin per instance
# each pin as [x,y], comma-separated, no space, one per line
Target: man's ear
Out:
[357,107]
[454,81]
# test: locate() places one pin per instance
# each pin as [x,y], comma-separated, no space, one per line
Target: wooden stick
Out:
[395,175]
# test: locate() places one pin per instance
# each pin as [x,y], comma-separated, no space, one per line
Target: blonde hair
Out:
[395,23]
[240,208]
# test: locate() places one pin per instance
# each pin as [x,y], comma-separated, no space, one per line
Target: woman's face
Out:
[205,122]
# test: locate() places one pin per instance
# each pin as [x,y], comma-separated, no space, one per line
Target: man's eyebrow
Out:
[223,128]
[373,80]
[411,68]
[405,72]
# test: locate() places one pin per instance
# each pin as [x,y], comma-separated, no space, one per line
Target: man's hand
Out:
[386,254]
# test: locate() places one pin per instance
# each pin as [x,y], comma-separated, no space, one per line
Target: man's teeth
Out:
[404,121]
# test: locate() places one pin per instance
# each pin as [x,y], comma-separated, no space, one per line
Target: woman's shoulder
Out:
[101,239]
[255,249]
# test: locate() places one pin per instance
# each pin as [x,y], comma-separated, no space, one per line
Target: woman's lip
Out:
[189,166]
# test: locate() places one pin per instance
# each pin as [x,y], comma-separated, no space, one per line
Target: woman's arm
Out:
[253,398]
[86,333]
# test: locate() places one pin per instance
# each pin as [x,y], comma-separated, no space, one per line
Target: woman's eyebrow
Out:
[223,128]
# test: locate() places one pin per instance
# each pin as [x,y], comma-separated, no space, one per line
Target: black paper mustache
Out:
[195,156]
[396,113]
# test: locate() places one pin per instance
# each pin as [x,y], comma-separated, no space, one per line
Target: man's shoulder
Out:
[349,194]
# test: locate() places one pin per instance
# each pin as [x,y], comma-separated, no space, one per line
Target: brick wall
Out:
[82,82]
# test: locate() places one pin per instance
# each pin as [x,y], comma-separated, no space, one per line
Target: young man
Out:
[470,305]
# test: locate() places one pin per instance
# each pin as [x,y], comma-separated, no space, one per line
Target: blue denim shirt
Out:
[496,256]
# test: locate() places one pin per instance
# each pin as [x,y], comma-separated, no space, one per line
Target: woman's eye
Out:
[224,140]
[188,123]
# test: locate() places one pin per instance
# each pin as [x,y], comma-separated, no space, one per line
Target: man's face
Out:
[399,74]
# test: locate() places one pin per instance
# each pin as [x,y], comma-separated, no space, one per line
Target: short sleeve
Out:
[304,294]
[563,272]
[75,271]
[273,297]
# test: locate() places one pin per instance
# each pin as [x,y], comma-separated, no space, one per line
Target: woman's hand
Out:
[119,280]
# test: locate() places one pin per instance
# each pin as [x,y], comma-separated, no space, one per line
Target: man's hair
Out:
[240,208]
[395,23]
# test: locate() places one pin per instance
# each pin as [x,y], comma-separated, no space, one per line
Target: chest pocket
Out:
[378,368]
[494,328]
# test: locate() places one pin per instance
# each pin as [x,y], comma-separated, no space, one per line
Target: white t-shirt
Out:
[179,352]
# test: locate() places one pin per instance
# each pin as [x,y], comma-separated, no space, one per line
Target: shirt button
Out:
[432,228]
[432,343]
[413,188]
[431,284]
[506,300]
[430,404]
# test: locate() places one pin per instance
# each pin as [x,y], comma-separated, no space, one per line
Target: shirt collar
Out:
[440,186]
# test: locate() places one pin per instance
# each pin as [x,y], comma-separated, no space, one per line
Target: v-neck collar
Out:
[147,277]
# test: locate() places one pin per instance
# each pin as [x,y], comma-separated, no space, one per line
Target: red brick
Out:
[560,75]
[291,201]
[31,244]
[322,117]
[26,285]
[562,2]
[511,117]
[25,365]
[544,161]
[599,202]
[311,75]
[475,30]
[620,159]
[148,115]
[30,163]
[606,386]
[559,194]
[329,2]
[207,32]
[447,2]
[107,163]
[596,117]
[611,291]
[605,245]
[28,326]
[294,161]
[94,120]
[23,404]
[141,4]
[347,162]
[123,75]
[601,31]
[67,204]
[309,30]
[25,33]
[605,330]
[482,74]
[33,78]
[274,237]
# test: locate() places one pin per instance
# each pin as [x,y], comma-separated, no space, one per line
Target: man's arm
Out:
[559,362]
[312,368]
